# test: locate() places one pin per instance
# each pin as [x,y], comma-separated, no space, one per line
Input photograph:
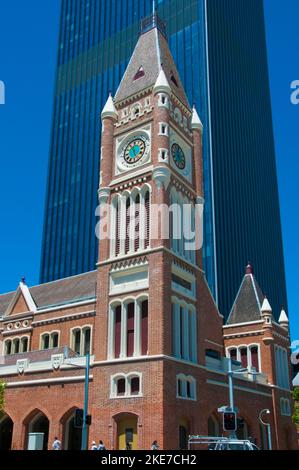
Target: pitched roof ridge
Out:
[63,279]
[255,284]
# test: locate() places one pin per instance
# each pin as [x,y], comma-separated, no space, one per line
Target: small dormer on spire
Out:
[266,311]
[195,121]
[109,110]
[283,319]
[162,85]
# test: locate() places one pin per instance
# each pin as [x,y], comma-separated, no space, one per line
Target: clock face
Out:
[178,156]
[134,151]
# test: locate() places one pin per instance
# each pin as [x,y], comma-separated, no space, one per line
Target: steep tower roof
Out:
[151,55]
[247,305]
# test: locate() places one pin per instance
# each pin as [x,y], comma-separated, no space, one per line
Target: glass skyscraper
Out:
[220,50]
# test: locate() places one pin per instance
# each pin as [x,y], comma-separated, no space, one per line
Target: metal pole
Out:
[269,436]
[230,384]
[85,409]
[268,427]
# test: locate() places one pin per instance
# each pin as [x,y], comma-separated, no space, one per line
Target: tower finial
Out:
[249,268]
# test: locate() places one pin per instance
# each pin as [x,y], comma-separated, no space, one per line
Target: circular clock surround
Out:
[178,156]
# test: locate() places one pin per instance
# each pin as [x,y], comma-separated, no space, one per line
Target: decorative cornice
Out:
[161,176]
[64,318]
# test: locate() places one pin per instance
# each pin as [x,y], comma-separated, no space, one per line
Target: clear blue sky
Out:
[28,42]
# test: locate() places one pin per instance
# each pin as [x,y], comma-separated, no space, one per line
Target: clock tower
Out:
[153,300]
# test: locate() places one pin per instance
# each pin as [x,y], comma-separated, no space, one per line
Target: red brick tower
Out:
[149,283]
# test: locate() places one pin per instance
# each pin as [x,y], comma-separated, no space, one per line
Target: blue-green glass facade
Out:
[96,40]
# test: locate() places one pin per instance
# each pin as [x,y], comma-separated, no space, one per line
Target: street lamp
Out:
[230,373]
[268,426]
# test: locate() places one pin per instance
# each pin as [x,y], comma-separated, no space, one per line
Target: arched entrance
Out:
[213,427]
[38,423]
[183,434]
[72,435]
[6,430]
[127,425]
[243,429]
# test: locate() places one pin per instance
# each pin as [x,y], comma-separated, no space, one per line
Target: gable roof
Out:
[247,305]
[21,294]
[61,292]
[150,52]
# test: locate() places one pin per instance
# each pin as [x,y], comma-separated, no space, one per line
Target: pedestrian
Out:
[56,444]
[101,446]
[128,446]
[155,446]
[94,445]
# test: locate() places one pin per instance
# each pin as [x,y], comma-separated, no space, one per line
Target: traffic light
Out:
[229,421]
[78,418]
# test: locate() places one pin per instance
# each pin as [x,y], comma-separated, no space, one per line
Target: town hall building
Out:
[159,347]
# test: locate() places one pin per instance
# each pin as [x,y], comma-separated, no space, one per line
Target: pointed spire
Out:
[195,121]
[249,269]
[162,85]
[266,307]
[109,109]
[283,317]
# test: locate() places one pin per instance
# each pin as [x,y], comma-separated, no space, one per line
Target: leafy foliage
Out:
[2,390]
[296,412]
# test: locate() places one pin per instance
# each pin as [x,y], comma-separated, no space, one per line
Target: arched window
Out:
[126,385]
[77,341]
[186,387]
[243,356]
[254,357]
[8,347]
[121,387]
[127,239]
[117,331]
[233,354]
[81,340]
[130,329]
[49,340]
[55,340]
[135,385]
[137,223]
[184,330]
[147,219]
[16,346]
[117,227]
[24,344]
[144,328]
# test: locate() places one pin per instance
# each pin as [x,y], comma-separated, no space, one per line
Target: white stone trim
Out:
[65,306]
[127,377]
[50,333]
[184,379]
[24,291]
[82,329]
[26,383]
[248,347]
[237,387]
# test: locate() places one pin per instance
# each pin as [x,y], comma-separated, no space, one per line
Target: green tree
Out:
[296,411]
[2,390]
